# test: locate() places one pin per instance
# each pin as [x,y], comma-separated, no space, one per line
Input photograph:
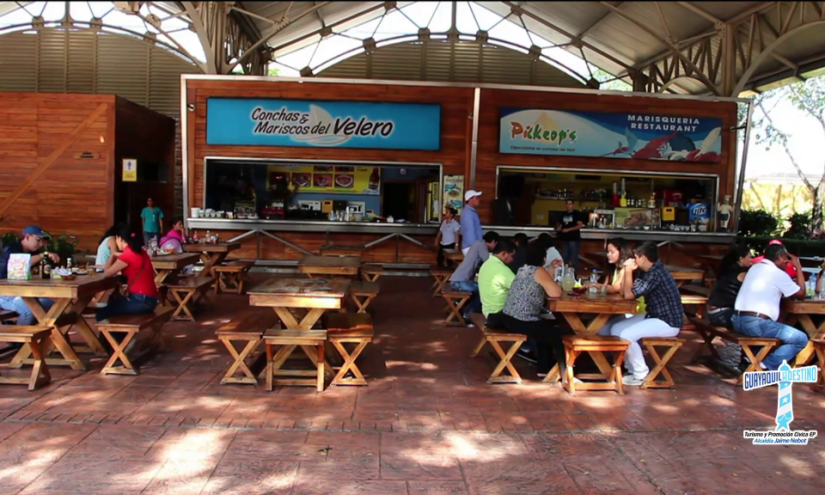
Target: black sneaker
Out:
[527,356]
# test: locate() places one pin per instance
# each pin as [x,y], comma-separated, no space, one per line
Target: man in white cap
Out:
[470,224]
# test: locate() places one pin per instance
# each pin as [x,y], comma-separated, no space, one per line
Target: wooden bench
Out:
[310,341]
[574,346]
[371,273]
[34,336]
[651,343]
[231,276]
[495,336]
[440,275]
[247,327]
[363,293]
[187,293]
[349,328]
[456,299]
[819,349]
[131,325]
[709,332]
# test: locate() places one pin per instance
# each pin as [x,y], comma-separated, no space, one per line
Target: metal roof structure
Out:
[709,48]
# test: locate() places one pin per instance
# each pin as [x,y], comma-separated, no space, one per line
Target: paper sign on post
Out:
[129,170]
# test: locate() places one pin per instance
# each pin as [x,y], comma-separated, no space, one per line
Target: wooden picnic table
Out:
[70,299]
[305,299]
[169,264]
[682,274]
[212,254]
[803,312]
[596,311]
[330,266]
[454,255]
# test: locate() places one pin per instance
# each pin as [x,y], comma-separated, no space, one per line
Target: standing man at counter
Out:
[470,224]
[570,234]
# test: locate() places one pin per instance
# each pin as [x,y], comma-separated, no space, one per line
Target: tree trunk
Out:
[816,215]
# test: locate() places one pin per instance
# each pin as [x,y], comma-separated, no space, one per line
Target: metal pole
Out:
[474,144]
[741,183]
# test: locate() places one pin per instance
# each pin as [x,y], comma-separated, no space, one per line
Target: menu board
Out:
[328,178]
[454,192]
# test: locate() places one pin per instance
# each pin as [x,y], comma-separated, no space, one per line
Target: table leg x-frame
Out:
[40,375]
[57,338]
[349,362]
[252,343]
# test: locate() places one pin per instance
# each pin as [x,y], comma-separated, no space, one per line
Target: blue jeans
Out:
[474,304]
[149,235]
[793,340]
[570,253]
[16,304]
[135,304]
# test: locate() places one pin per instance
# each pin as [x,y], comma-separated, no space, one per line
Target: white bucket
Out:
[196,212]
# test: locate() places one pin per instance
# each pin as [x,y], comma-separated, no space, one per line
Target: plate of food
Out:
[322,180]
[344,181]
[301,179]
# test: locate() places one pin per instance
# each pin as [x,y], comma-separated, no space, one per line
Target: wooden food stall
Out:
[61,157]
[289,166]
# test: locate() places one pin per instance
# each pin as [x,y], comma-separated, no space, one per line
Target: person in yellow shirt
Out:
[617,253]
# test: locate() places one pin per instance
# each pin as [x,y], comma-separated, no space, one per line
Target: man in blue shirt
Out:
[152,219]
[470,224]
[30,243]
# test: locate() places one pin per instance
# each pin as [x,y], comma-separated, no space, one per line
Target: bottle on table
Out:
[68,263]
[810,289]
[43,273]
[594,280]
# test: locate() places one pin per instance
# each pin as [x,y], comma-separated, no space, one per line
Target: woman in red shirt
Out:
[134,263]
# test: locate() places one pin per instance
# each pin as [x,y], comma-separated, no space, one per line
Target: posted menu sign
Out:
[327,124]
[614,135]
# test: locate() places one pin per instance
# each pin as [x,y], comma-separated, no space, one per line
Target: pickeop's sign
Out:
[615,135]
[329,124]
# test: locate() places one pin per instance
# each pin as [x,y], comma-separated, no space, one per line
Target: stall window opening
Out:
[322,191]
[612,200]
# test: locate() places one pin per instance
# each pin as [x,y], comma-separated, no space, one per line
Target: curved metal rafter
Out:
[148,37]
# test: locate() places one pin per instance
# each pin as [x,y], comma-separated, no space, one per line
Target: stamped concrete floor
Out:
[427,423]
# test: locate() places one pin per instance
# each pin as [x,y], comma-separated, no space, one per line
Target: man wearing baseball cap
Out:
[470,224]
[30,243]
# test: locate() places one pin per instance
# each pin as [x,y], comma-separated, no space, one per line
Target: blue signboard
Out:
[615,135]
[328,124]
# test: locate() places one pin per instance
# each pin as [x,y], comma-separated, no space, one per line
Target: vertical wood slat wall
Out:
[96,62]
[75,195]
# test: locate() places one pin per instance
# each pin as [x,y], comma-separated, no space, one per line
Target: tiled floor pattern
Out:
[427,423]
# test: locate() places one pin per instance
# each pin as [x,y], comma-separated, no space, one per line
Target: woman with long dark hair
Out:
[618,252]
[729,277]
[134,263]
[107,247]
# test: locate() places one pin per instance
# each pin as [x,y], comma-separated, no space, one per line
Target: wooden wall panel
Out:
[74,196]
[71,197]
[456,111]
[488,135]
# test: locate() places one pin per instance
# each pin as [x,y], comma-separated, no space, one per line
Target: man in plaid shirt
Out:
[665,314]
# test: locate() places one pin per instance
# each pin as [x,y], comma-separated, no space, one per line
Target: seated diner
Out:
[729,277]
[665,314]
[494,280]
[463,278]
[757,304]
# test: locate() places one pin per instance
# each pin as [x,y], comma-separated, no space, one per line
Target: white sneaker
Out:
[632,381]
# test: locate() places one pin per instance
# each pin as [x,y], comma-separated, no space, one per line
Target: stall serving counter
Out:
[286,166]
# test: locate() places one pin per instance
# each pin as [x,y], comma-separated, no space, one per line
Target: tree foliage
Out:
[808,98]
